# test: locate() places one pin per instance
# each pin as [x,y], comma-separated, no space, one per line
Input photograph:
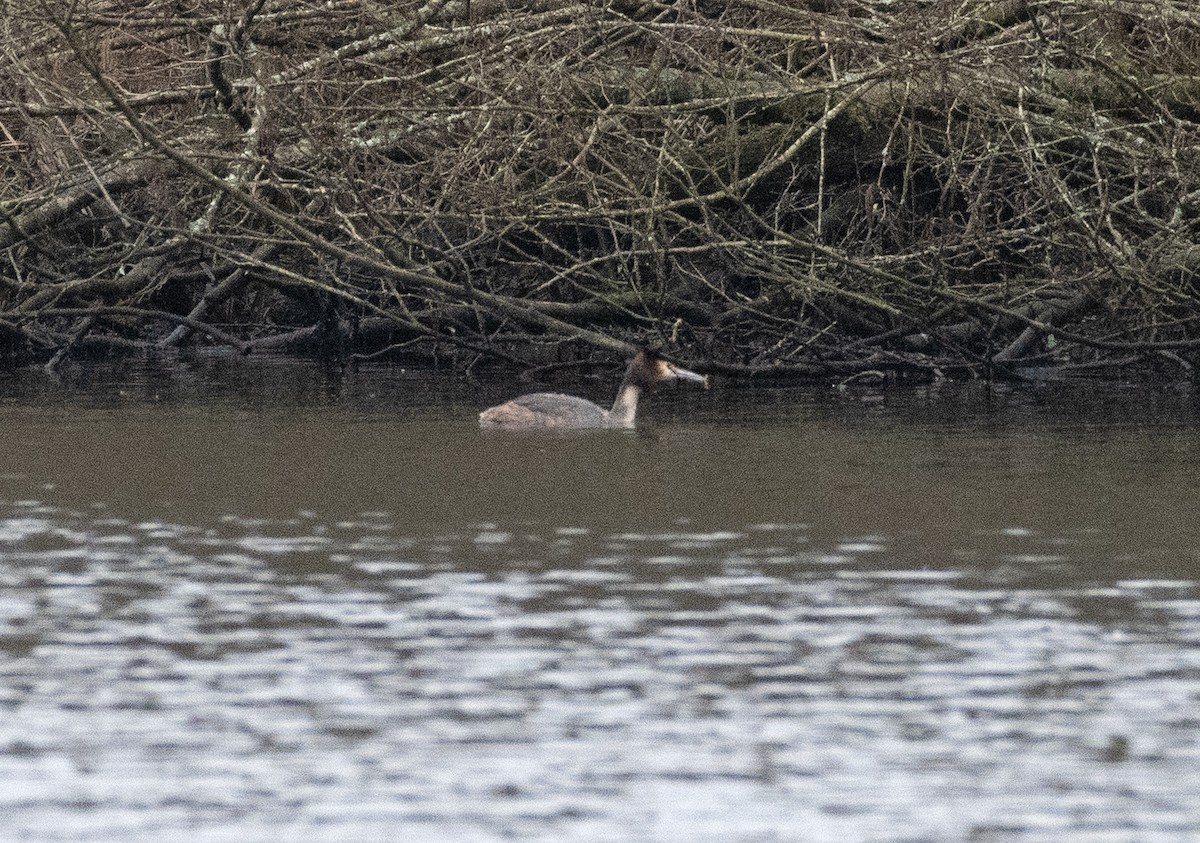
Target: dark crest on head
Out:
[646,367]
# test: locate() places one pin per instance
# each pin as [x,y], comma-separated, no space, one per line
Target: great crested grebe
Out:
[554,411]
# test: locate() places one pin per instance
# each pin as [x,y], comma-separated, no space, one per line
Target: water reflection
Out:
[835,621]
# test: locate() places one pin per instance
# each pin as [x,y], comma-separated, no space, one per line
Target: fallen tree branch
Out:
[138,313]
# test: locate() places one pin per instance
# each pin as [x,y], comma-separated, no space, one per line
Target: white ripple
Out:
[283,544]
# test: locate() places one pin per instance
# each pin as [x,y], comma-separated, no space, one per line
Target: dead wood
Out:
[822,189]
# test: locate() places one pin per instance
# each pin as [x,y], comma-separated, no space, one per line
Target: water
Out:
[262,601]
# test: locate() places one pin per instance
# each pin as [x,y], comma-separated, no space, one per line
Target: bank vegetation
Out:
[807,189]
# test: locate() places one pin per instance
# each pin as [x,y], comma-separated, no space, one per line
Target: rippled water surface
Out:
[265,601]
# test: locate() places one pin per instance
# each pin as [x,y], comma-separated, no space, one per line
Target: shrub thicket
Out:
[787,188]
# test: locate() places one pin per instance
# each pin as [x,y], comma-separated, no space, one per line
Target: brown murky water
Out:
[261,601]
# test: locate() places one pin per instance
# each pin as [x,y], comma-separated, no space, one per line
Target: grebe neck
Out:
[625,407]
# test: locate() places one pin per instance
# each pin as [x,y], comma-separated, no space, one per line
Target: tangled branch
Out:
[787,190]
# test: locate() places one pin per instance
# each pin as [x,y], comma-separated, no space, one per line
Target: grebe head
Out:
[648,368]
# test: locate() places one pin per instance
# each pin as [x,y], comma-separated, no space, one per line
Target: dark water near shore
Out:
[264,601]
